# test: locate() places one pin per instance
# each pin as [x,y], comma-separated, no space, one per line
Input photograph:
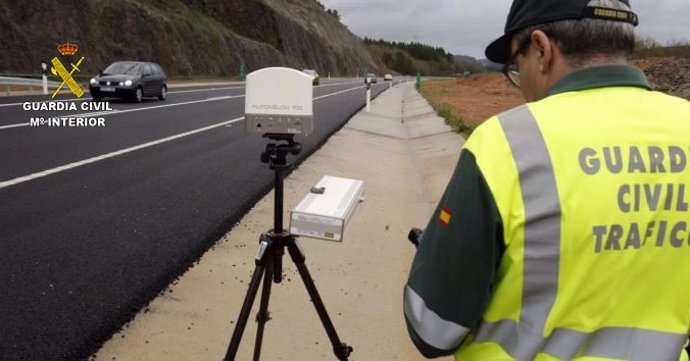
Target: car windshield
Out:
[123,68]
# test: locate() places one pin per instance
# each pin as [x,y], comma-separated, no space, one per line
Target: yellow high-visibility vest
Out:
[593,188]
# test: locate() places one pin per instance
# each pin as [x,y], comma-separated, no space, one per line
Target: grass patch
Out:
[451,116]
[455,121]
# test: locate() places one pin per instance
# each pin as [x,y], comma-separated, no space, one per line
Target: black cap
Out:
[526,13]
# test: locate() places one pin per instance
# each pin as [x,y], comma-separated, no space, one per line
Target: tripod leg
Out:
[263,316]
[340,349]
[244,313]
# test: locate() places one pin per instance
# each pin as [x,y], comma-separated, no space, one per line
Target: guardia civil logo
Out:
[60,110]
[58,69]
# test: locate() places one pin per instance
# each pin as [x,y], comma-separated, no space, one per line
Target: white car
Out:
[388,77]
[371,77]
[315,78]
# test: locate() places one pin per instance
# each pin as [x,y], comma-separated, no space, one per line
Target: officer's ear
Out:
[545,49]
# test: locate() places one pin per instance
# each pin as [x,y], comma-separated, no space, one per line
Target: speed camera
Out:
[279,101]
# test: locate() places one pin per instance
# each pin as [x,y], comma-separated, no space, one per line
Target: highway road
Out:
[96,221]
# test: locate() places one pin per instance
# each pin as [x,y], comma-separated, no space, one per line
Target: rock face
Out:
[671,75]
[188,38]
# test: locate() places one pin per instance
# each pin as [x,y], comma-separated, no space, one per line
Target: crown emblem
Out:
[67,49]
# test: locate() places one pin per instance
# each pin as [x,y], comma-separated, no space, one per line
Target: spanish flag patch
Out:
[445,216]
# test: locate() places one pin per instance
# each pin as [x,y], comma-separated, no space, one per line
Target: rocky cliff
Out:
[188,38]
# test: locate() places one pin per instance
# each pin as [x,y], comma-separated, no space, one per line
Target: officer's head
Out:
[544,40]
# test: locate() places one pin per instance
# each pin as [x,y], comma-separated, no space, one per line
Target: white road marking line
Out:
[223,97]
[110,155]
[162,106]
[49,101]
[203,90]
[126,110]
[170,92]
[14,126]
[340,92]
[48,172]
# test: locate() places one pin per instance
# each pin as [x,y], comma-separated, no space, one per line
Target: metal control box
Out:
[326,211]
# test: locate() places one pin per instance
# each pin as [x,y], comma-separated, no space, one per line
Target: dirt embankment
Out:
[474,99]
[669,75]
[478,97]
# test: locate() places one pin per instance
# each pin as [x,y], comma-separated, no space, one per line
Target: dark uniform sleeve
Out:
[453,271]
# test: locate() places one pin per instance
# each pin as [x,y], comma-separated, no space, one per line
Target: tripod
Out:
[269,261]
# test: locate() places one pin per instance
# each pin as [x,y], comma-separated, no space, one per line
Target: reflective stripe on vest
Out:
[523,340]
[430,327]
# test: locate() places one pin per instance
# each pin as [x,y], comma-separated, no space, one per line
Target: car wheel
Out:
[138,95]
[163,93]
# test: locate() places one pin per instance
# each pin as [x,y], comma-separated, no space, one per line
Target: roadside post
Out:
[368,94]
[243,71]
[419,80]
[45,78]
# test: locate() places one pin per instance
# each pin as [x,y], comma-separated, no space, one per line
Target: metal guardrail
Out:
[7,82]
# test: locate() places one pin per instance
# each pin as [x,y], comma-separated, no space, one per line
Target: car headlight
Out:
[128,82]
[93,81]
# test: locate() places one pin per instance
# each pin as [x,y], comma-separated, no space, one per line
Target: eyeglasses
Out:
[510,70]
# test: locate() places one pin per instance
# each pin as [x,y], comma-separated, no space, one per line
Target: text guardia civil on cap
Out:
[526,13]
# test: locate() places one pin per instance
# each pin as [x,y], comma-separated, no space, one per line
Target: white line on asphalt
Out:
[170,92]
[340,92]
[223,97]
[161,106]
[13,126]
[49,101]
[110,155]
[127,110]
[48,172]
[203,90]
[84,99]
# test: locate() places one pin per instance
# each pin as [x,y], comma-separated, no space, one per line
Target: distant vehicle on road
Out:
[371,76]
[387,77]
[131,80]
[314,76]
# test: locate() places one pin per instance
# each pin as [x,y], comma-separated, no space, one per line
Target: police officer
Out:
[564,233]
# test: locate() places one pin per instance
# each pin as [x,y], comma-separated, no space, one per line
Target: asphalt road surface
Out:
[96,221]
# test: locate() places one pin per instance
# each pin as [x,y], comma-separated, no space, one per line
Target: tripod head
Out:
[276,154]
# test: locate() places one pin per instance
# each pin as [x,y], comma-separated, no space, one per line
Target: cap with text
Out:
[526,13]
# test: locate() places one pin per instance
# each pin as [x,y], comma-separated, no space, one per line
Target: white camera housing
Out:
[279,101]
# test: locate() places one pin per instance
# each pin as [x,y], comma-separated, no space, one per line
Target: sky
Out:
[465,27]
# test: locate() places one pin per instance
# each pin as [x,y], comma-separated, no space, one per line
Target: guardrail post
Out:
[368,95]
[45,78]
